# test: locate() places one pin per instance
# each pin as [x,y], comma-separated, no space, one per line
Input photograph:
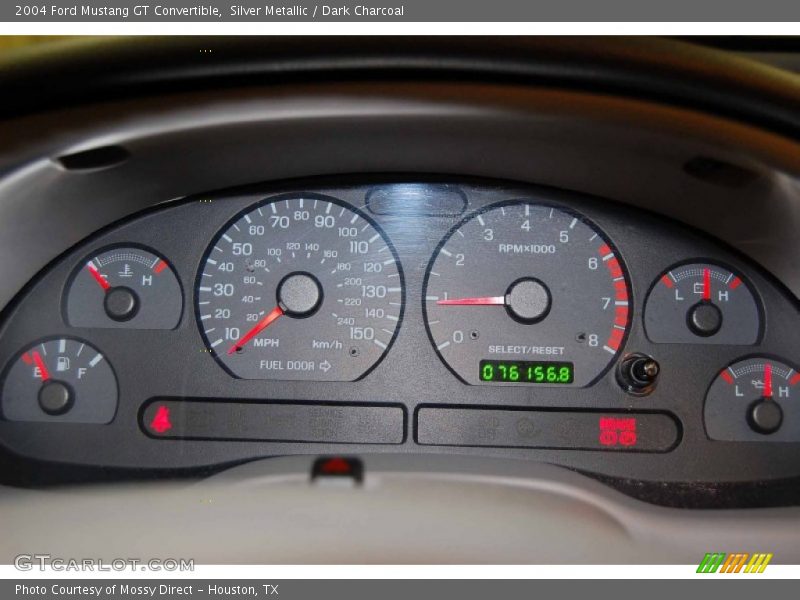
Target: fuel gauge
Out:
[702,303]
[63,380]
[124,287]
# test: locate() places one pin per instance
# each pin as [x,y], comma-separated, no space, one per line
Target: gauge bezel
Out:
[718,373]
[762,317]
[533,202]
[50,338]
[102,249]
[274,199]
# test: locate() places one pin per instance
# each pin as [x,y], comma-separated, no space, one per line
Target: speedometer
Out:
[300,288]
[524,293]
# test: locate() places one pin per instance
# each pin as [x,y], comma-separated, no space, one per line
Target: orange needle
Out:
[40,365]
[268,320]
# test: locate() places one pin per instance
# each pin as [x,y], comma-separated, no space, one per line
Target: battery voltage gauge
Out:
[124,287]
[702,303]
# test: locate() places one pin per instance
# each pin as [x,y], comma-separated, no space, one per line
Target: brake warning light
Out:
[161,422]
[617,431]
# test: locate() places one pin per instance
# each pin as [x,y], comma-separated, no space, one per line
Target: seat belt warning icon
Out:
[161,421]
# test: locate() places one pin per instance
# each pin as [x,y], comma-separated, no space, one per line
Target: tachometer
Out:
[300,288]
[524,293]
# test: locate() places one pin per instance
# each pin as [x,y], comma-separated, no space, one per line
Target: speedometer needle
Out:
[268,320]
[481,301]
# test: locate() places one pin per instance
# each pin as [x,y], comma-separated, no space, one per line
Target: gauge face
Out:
[754,399]
[701,303]
[124,287]
[300,288]
[63,380]
[523,293]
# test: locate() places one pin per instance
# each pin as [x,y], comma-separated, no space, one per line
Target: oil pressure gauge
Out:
[702,303]
[754,399]
[124,287]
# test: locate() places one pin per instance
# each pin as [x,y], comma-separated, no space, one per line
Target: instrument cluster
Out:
[482,318]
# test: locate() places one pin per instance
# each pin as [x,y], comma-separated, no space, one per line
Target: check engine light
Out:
[617,431]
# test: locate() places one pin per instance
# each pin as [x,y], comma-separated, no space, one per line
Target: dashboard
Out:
[417,315]
[563,263]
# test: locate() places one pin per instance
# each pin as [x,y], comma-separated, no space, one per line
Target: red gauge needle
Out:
[768,381]
[268,320]
[484,301]
[40,365]
[101,281]
[707,284]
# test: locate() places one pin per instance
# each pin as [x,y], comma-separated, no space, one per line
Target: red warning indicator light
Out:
[617,431]
[161,422]
[337,466]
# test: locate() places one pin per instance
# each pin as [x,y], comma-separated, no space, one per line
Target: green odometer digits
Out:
[525,293]
[300,288]
[527,371]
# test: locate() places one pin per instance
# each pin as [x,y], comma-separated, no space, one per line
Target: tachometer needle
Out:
[768,381]
[707,284]
[268,320]
[101,281]
[41,366]
[482,301]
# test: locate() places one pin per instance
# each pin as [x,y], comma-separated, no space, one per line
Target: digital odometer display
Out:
[300,288]
[527,372]
[521,283]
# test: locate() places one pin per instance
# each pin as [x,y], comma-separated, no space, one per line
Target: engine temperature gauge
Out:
[702,303]
[755,399]
[124,287]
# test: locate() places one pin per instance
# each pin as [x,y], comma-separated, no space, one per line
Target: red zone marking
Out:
[735,282]
[727,376]
[621,295]
[795,380]
[667,281]
[160,266]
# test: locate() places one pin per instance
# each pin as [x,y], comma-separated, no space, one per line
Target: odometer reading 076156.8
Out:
[521,292]
[300,288]
[527,371]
